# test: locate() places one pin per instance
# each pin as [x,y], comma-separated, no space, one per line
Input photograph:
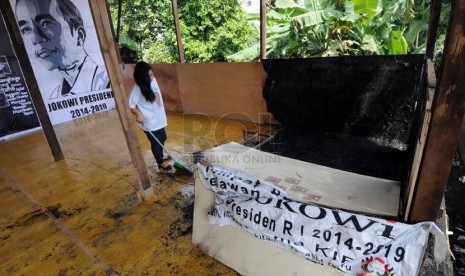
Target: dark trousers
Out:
[157,149]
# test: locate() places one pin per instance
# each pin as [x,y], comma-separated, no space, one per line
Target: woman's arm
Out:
[139,116]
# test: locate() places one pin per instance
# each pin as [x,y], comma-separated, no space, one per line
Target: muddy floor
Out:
[82,215]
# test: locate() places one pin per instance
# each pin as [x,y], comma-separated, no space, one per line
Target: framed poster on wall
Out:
[62,45]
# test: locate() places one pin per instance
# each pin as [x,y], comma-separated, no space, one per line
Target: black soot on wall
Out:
[359,114]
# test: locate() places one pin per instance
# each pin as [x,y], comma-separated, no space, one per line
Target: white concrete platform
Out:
[311,183]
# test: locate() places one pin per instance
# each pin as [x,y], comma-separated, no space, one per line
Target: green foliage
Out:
[343,27]
[368,9]
[210,29]
[144,22]
[398,44]
[128,42]
[213,29]
[216,31]
[443,25]
[159,53]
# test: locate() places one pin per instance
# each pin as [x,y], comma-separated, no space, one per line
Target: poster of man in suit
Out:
[62,45]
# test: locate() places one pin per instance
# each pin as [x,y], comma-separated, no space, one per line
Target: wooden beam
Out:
[435,12]
[26,67]
[108,48]
[262,29]
[174,4]
[448,112]
[420,145]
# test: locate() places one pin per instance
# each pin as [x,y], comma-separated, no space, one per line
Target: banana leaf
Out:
[369,8]
[398,43]
[128,42]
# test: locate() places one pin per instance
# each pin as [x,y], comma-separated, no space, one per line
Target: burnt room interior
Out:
[85,197]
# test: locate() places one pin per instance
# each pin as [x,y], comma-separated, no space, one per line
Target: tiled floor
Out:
[82,215]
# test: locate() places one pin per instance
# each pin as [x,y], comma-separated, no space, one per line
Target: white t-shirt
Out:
[154,113]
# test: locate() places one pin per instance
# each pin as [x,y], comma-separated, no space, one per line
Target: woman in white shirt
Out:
[146,103]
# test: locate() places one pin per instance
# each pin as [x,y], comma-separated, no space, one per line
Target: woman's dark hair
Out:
[142,77]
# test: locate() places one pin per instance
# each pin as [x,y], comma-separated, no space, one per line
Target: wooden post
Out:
[109,51]
[448,112]
[30,79]
[178,30]
[423,135]
[435,12]
[262,29]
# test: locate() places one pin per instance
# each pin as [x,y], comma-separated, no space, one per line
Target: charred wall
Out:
[358,114]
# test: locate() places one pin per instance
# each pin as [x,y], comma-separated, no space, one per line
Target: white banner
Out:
[355,244]
[62,45]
